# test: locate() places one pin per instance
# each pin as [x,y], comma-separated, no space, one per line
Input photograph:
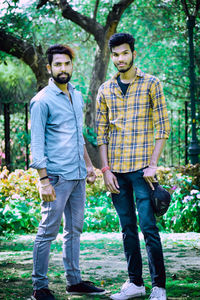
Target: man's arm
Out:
[39,114]
[162,126]
[91,176]
[150,172]
[110,179]
[102,126]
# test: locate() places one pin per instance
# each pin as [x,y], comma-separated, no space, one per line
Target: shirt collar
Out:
[139,73]
[58,91]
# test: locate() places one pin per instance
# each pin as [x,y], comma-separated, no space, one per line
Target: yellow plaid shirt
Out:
[127,122]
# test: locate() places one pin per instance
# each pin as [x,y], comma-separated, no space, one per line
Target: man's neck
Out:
[62,86]
[128,76]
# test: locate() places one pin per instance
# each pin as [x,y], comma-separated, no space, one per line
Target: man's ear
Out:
[134,54]
[48,68]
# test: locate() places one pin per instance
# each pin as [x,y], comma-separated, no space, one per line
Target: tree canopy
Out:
[27,28]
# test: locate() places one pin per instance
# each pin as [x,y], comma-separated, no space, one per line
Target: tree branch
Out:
[95,9]
[90,25]
[117,11]
[41,3]
[27,52]
[185,8]
[16,47]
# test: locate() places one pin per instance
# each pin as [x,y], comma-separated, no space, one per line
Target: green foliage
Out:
[184,212]
[19,138]
[19,205]
[159,28]
[17,83]
[20,202]
[90,135]
[100,214]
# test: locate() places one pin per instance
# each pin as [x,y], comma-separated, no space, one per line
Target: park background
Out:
[168,46]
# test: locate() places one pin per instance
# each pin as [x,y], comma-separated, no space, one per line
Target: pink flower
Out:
[174,188]
[2,154]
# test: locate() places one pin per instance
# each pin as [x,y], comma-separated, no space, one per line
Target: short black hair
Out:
[121,38]
[59,49]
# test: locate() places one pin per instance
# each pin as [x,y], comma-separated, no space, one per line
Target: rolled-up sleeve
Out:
[102,122]
[39,114]
[160,115]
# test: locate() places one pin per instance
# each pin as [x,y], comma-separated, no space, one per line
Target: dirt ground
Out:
[101,260]
[185,256]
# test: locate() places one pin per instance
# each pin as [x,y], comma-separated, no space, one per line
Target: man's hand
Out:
[91,176]
[47,193]
[111,183]
[149,174]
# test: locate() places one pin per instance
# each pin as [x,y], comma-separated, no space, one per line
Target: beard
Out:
[61,80]
[129,66]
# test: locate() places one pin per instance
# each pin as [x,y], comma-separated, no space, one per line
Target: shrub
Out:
[100,214]
[20,202]
[19,139]
[184,211]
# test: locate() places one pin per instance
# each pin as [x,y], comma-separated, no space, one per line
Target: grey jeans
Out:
[69,203]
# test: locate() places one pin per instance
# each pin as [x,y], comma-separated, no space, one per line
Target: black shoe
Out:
[84,287]
[43,294]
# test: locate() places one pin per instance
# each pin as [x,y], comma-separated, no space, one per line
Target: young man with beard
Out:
[62,162]
[129,107]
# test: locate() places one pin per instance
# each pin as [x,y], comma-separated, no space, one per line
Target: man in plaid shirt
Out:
[131,113]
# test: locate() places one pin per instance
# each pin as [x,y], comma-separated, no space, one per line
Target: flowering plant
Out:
[19,201]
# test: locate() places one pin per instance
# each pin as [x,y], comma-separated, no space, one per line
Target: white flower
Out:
[187,199]
[15,196]
[194,192]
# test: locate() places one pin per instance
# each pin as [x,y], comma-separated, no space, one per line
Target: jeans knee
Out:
[150,232]
[47,233]
[129,230]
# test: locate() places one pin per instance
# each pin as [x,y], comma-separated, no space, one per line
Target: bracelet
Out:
[45,177]
[103,170]
[44,185]
[153,167]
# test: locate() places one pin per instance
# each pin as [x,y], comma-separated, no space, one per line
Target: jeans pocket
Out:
[54,179]
[141,171]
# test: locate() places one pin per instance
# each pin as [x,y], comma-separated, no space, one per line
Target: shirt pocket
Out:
[142,111]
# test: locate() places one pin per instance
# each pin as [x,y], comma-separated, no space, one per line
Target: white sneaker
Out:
[129,290]
[158,293]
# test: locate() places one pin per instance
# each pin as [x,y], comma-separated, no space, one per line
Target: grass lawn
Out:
[102,261]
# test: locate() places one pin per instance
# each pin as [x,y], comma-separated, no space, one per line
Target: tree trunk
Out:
[99,71]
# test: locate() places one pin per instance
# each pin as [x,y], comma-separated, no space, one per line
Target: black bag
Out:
[160,199]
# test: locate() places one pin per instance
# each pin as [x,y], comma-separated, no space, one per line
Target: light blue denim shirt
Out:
[57,142]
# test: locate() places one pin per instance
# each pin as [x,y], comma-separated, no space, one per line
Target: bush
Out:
[20,202]
[184,184]
[100,214]
[19,139]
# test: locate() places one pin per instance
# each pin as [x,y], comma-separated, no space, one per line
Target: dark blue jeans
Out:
[130,183]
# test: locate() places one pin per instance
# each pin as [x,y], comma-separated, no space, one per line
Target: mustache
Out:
[63,73]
